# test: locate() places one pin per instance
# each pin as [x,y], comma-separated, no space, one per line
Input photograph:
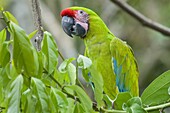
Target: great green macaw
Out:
[112,57]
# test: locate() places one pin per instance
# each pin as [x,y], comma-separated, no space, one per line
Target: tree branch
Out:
[37,22]
[141,18]
[112,111]
[158,107]
[161,106]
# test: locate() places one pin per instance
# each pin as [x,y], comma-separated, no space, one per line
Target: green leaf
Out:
[1,8]
[50,50]
[63,66]
[97,80]
[134,105]
[14,97]
[12,71]
[108,102]
[24,54]
[2,36]
[41,59]
[4,80]
[10,17]
[72,73]
[62,78]
[68,71]
[39,91]
[91,75]
[59,100]
[4,51]
[84,62]
[6,74]
[84,99]
[79,108]
[1,91]
[31,35]
[121,98]
[157,91]
[71,106]
[53,100]
[29,101]
[4,54]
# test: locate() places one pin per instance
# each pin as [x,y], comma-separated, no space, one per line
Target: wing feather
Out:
[125,66]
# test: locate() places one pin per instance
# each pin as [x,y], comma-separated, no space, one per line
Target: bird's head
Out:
[76,21]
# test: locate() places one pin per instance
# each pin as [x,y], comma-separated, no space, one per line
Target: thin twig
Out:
[5,19]
[55,81]
[37,21]
[158,107]
[162,106]
[46,72]
[141,18]
[62,87]
[61,55]
[64,91]
[2,107]
[113,111]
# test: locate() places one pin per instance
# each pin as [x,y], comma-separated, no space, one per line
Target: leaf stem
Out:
[113,111]
[55,81]
[5,19]
[62,88]
[2,107]
[61,55]
[146,109]
[158,107]
[46,72]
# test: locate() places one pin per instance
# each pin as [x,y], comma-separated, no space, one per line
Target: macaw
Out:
[111,56]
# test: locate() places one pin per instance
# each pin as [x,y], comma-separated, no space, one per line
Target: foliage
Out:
[31,82]
[156,92]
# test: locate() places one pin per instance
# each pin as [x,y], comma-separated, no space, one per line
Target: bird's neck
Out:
[96,27]
[98,32]
[97,38]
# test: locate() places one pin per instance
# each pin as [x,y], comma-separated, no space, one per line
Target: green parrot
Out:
[111,56]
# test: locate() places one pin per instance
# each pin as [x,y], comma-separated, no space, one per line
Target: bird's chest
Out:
[99,52]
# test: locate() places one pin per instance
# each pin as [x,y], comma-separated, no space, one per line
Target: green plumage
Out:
[111,57]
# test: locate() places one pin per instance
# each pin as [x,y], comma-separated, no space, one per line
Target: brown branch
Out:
[37,22]
[141,18]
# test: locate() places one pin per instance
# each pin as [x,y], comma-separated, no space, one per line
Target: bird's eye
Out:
[80,12]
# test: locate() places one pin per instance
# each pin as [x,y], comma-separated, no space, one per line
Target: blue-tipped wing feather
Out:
[120,78]
[124,67]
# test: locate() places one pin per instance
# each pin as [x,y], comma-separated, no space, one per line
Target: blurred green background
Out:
[152,49]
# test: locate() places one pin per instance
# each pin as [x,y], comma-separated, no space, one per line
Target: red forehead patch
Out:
[67,12]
